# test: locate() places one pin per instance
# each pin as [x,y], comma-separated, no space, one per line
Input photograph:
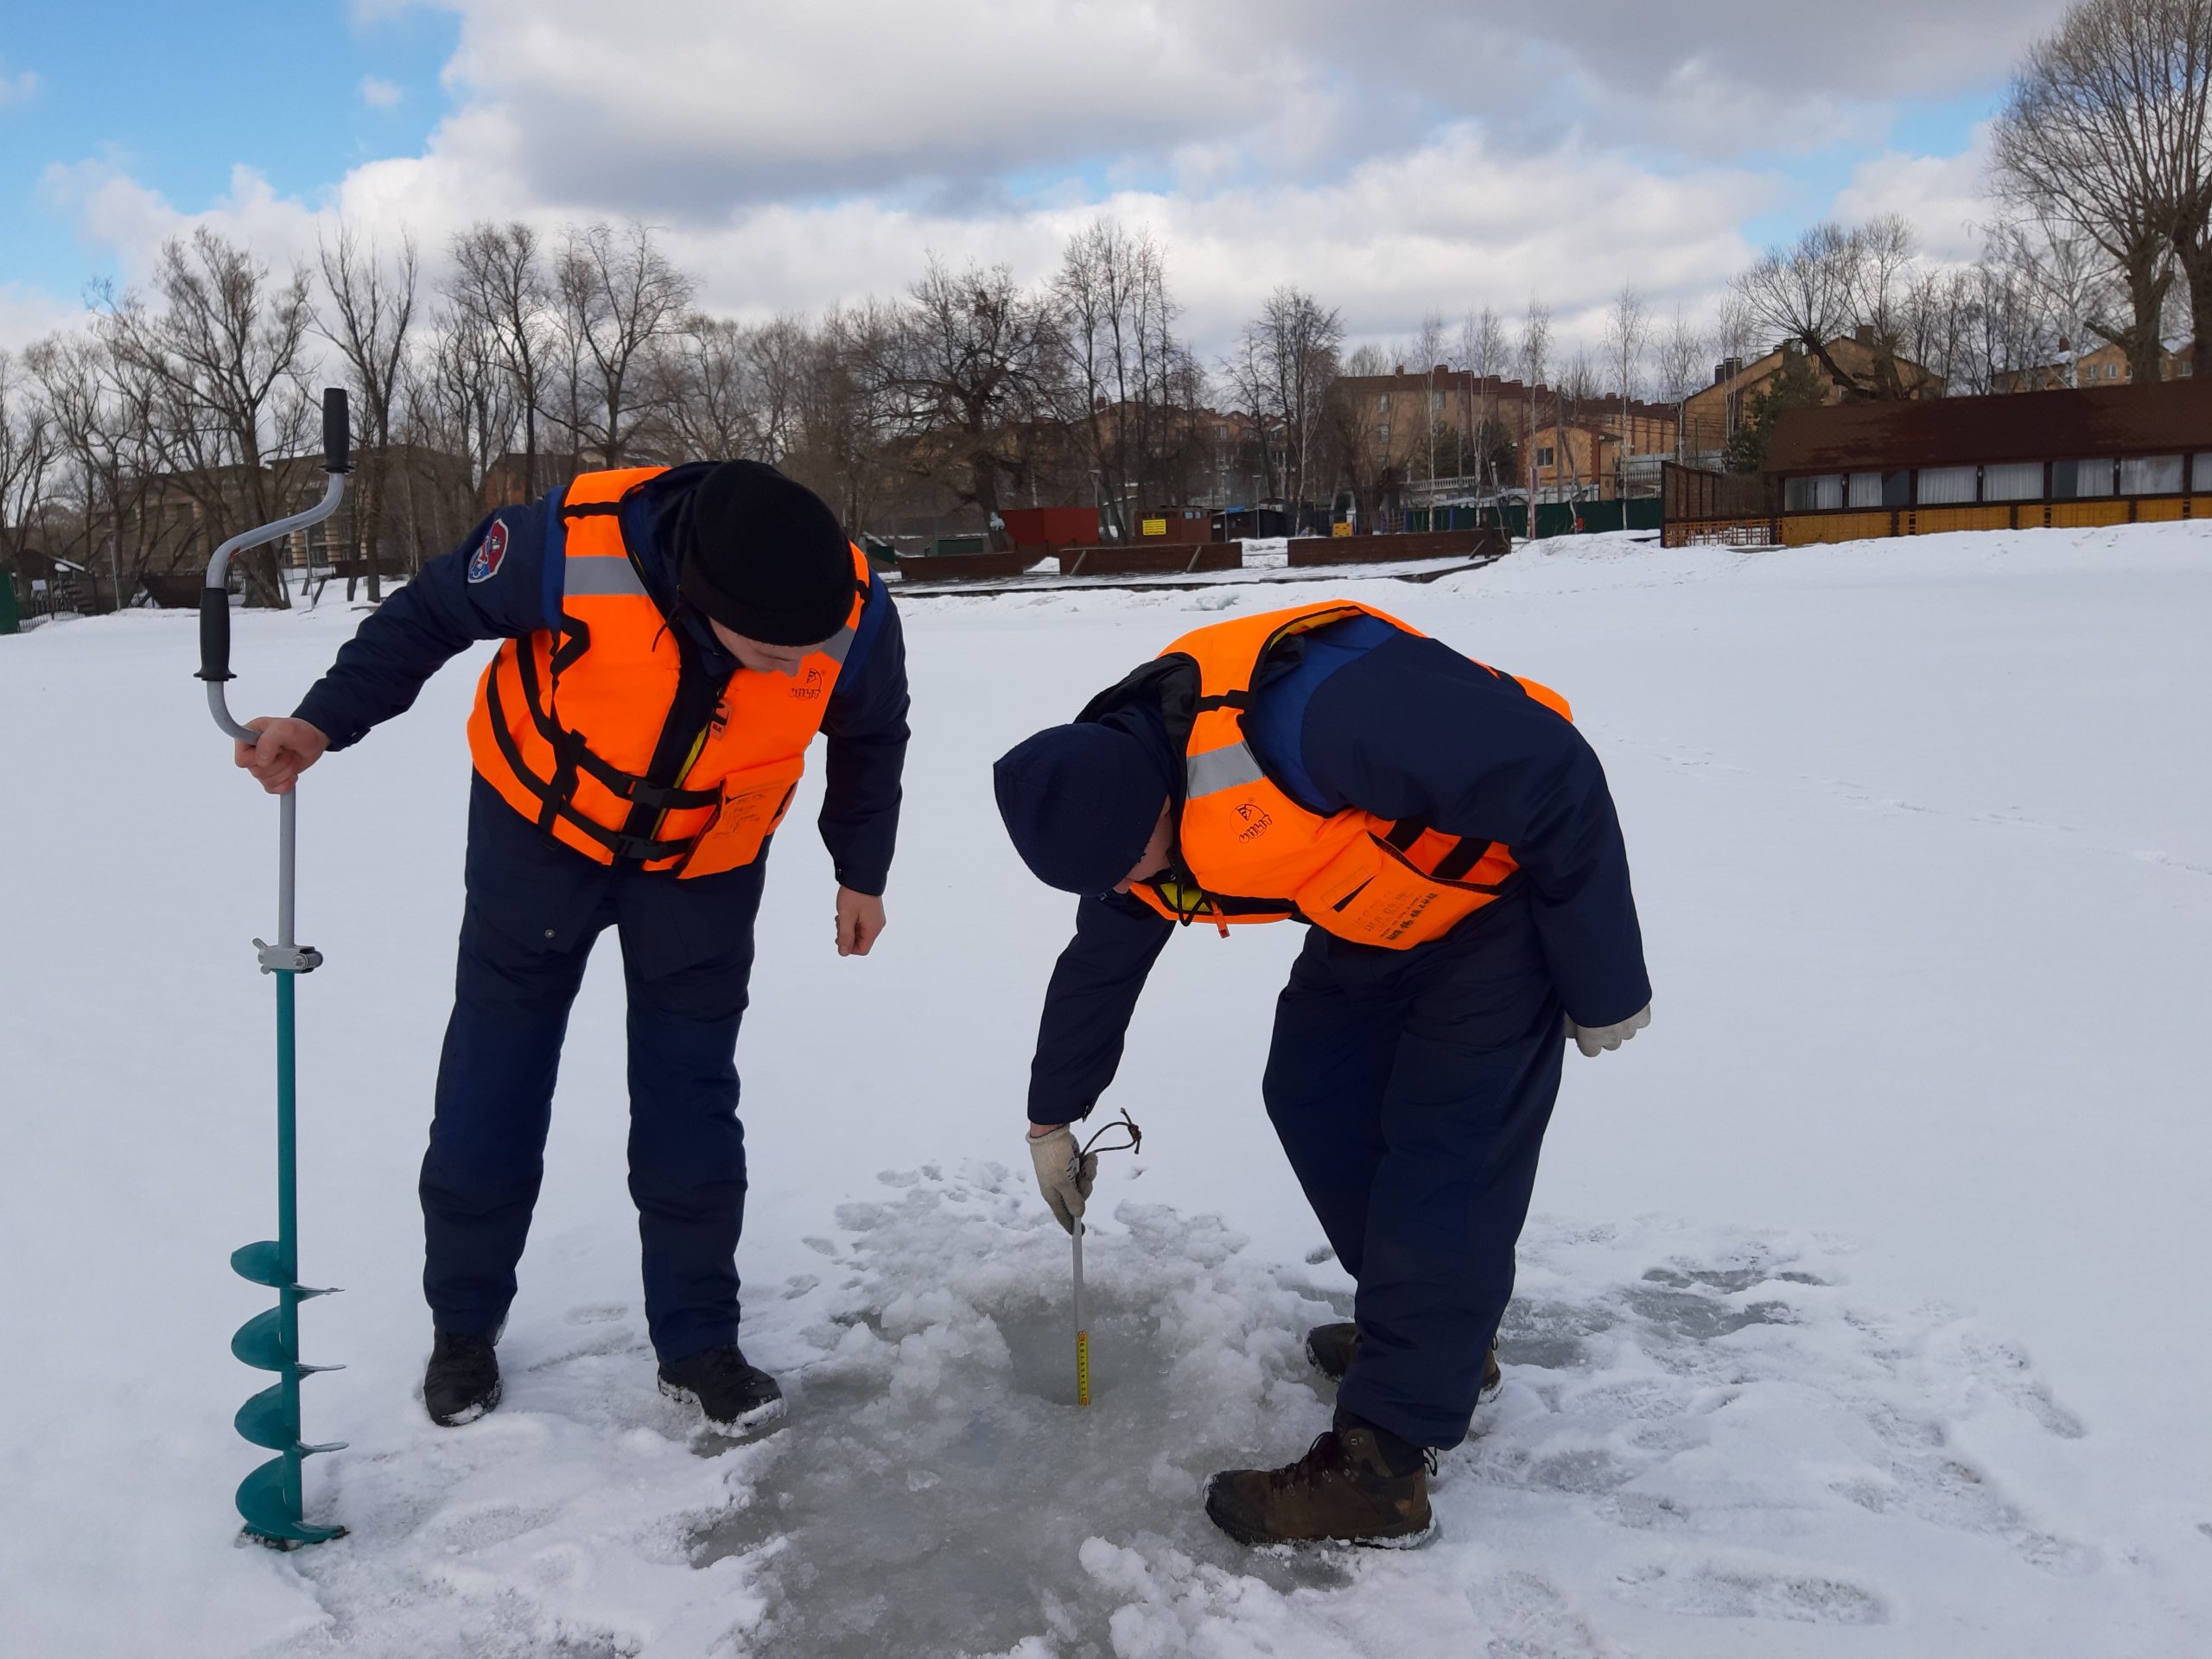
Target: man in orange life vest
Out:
[674,640]
[1448,835]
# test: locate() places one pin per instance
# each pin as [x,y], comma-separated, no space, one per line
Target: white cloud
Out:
[1417,156]
[379,94]
[18,88]
[844,96]
[26,314]
[1943,197]
[1452,224]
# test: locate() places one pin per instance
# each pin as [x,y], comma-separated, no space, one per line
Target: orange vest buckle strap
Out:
[576,728]
[1249,853]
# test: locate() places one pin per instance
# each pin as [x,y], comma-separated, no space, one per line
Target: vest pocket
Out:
[754,803]
[1370,894]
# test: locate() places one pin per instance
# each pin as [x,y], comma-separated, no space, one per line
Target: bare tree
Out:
[966,363]
[1370,447]
[221,350]
[1580,391]
[460,401]
[499,285]
[706,391]
[371,309]
[26,449]
[845,415]
[783,358]
[1130,381]
[1733,337]
[1534,350]
[1836,282]
[107,463]
[1483,353]
[1681,354]
[620,297]
[1628,333]
[2107,129]
[1284,364]
[1425,351]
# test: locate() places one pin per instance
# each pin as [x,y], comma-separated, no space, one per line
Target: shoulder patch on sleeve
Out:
[484,562]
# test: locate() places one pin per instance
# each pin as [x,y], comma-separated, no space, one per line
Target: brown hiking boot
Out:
[1330,1348]
[1342,1489]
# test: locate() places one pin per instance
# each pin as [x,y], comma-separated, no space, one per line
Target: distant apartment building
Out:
[2105,367]
[1710,416]
[1425,428]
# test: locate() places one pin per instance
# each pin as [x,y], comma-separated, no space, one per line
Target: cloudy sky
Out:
[1393,156]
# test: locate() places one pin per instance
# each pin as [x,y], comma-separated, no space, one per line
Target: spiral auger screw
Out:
[269,1499]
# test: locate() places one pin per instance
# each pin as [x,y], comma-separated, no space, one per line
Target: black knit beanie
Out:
[765,556]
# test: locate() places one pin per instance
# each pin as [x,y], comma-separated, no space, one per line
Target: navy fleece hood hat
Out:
[1080,801]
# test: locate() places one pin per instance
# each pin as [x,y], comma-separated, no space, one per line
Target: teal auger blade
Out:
[266,1419]
[268,1513]
[262,1264]
[269,1419]
[260,1342]
[259,1263]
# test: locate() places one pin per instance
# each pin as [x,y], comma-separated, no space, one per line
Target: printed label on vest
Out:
[1255,819]
[1370,895]
[484,564]
[753,804]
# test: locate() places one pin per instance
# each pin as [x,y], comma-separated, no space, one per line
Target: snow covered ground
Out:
[1865,1311]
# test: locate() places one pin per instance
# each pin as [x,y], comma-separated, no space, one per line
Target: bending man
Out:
[675,637]
[1448,835]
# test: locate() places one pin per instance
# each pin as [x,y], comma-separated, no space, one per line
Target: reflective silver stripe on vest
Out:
[597,576]
[839,645]
[1220,769]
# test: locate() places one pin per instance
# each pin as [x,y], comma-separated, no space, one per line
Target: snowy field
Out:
[1865,1311]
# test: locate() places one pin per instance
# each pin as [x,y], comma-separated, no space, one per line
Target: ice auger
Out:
[269,1497]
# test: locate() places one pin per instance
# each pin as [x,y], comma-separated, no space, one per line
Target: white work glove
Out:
[1594,1040]
[1063,1176]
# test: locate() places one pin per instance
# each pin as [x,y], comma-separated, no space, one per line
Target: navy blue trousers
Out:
[1411,1091]
[534,910]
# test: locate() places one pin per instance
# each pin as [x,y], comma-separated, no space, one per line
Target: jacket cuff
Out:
[327,715]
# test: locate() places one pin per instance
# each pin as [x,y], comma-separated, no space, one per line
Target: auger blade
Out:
[259,1264]
[306,1450]
[268,1420]
[260,1342]
[268,1513]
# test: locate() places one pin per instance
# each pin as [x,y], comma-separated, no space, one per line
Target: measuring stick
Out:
[1082,1329]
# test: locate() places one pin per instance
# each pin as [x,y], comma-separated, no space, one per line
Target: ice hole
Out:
[950,1518]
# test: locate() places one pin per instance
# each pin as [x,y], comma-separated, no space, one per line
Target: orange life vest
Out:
[1247,852]
[567,723]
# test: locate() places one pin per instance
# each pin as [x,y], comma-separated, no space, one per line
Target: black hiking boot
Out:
[1332,1347]
[732,1394]
[463,1380]
[1344,1488]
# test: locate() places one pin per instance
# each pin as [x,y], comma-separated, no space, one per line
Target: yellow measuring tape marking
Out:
[1083,1368]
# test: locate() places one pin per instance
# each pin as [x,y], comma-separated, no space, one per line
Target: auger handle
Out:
[337,432]
[214,597]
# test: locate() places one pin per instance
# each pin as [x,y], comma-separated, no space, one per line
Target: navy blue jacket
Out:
[456,601]
[1360,715]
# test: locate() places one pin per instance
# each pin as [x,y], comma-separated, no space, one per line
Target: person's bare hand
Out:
[860,921]
[288,747]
